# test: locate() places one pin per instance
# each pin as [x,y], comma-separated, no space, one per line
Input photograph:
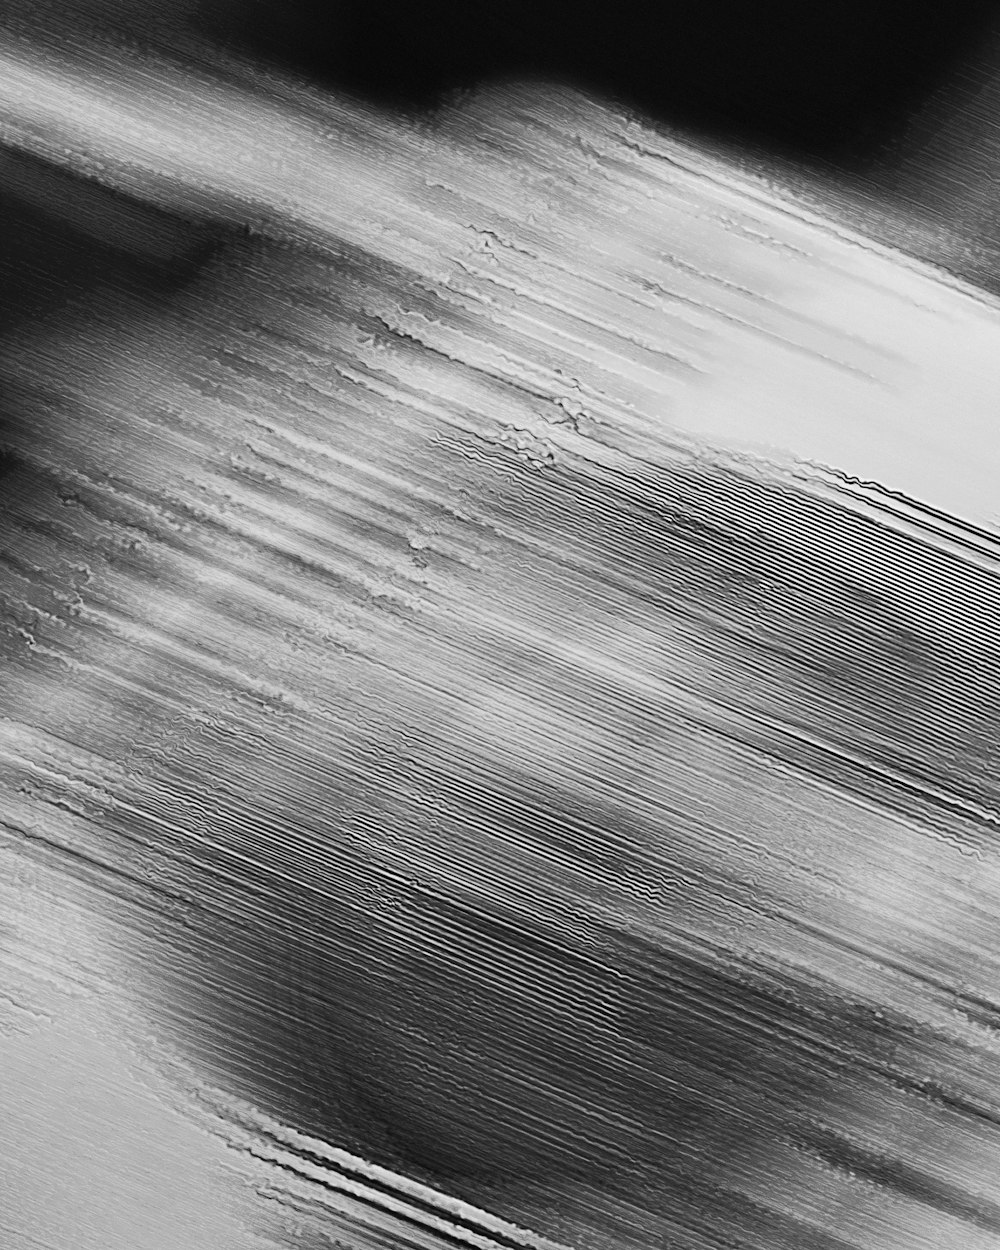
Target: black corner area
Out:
[831,80]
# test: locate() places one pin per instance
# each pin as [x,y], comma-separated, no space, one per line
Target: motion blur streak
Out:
[501,685]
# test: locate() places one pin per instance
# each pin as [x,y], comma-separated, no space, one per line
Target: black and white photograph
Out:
[500,584]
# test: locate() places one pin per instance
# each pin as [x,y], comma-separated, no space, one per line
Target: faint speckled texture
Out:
[500,685]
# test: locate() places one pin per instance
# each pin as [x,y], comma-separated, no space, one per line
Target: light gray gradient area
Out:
[361,520]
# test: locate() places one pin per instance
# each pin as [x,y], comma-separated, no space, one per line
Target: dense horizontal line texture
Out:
[501,651]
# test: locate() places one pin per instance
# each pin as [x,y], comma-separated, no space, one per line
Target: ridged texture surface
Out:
[465,679]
